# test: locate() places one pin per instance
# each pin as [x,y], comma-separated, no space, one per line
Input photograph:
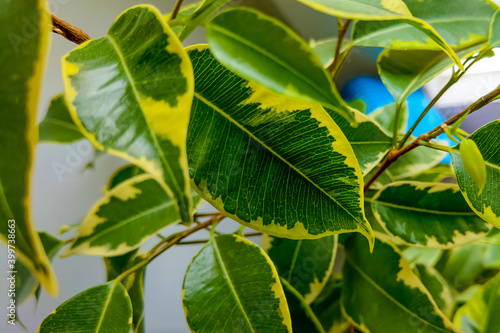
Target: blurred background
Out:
[65,198]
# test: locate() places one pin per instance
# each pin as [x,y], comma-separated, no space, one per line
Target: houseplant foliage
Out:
[253,124]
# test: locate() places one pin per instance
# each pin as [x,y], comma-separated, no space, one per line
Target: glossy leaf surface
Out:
[272,164]
[262,49]
[243,280]
[138,106]
[485,204]
[305,264]
[427,214]
[105,308]
[22,62]
[384,277]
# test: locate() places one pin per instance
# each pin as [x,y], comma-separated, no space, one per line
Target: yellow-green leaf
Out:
[22,62]
[137,107]
[273,164]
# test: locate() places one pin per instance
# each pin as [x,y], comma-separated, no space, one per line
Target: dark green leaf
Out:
[105,308]
[275,165]
[58,126]
[304,264]
[427,214]
[241,279]
[381,293]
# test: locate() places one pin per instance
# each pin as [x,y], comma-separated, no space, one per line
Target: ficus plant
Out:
[252,123]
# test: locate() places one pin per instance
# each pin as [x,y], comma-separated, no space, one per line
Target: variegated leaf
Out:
[125,218]
[242,280]
[438,288]
[485,203]
[381,10]
[427,214]
[305,264]
[275,165]
[25,29]
[382,285]
[130,93]
[103,308]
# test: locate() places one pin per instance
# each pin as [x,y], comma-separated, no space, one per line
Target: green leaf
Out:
[325,49]
[438,288]
[26,282]
[386,115]
[368,140]
[485,204]
[242,280]
[435,174]
[304,264]
[480,314]
[134,283]
[327,308]
[122,174]
[100,309]
[427,214]
[23,60]
[381,286]
[278,166]
[303,318]
[264,50]
[404,72]
[459,22]
[138,106]
[58,126]
[381,10]
[494,39]
[125,218]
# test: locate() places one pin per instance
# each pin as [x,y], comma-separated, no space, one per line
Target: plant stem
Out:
[203,241]
[68,31]
[341,34]
[157,250]
[454,79]
[176,9]
[434,146]
[395,154]
[396,123]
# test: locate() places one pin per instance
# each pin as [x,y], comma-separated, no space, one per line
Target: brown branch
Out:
[342,32]
[395,154]
[68,31]
[177,8]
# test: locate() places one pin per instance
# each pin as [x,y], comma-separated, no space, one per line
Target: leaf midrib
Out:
[399,26]
[164,162]
[230,283]
[388,296]
[275,59]
[423,210]
[110,295]
[225,115]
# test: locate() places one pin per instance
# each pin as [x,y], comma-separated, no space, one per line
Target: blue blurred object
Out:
[374,94]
